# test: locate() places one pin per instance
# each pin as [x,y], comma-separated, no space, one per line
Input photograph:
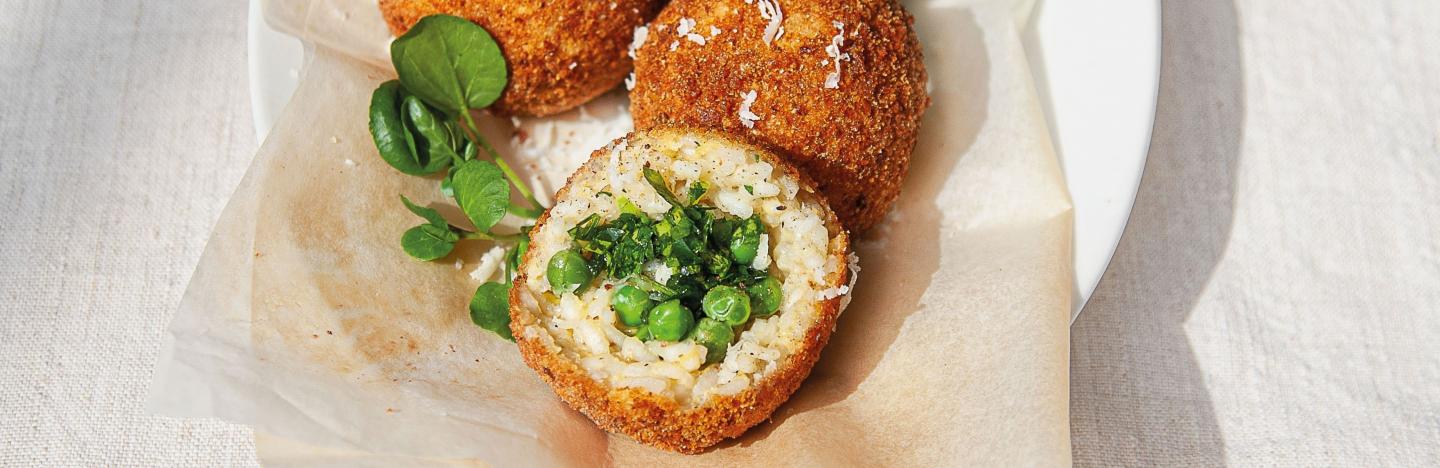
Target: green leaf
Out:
[429,242]
[451,63]
[518,253]
[658,292]
[658,183]
[430,214]
[490,308]
[446,187]
[482,193]
[469,151]
[393,136]
[430,134]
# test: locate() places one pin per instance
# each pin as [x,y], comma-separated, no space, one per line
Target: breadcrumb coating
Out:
[561,53]
[854,137]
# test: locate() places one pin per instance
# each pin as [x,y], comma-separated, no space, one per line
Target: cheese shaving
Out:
[685,26]
[748,118]
[832,80]
[641,33]
[770,10]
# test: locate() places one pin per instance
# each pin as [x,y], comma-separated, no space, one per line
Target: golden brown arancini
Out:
[561,53]
[854,140]
[553,343]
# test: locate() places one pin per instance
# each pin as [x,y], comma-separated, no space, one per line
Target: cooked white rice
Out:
[798,248]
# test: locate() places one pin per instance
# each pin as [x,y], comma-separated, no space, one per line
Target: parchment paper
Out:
[305,320]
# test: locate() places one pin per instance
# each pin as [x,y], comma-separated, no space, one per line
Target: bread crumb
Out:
[350,162]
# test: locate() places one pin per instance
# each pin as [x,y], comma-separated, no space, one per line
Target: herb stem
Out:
[523,212]
[508,278]
[474,134]
[476,235]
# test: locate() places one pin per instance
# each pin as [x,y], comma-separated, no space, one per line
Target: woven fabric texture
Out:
[124,127]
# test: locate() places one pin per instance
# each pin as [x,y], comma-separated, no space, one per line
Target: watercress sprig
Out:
[422,124]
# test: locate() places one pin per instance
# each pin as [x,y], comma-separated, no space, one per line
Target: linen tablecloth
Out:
[1273,301]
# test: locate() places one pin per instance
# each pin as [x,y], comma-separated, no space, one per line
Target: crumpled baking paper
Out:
[305,320]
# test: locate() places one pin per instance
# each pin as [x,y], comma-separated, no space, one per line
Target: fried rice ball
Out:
[666,393]
[561,53]
[837,86]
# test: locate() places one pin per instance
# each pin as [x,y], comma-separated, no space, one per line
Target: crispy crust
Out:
[540,39]
[655,420]
[855,141]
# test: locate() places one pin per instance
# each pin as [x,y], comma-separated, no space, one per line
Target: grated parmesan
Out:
[630,81]
[747,117]
[685,26]
[770,10]
[696,38]
[638,39]
[832,80]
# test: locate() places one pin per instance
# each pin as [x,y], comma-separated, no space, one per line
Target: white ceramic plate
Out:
[1097,68]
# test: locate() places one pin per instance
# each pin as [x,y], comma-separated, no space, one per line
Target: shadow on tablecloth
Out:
[1137,393]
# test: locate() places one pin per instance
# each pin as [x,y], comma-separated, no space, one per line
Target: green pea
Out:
[715,336]
[568,271]
[670,321]
[631,304]
[727,304]
[745,241]
[765,297]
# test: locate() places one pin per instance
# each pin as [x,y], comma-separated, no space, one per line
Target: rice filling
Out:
[796,248]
